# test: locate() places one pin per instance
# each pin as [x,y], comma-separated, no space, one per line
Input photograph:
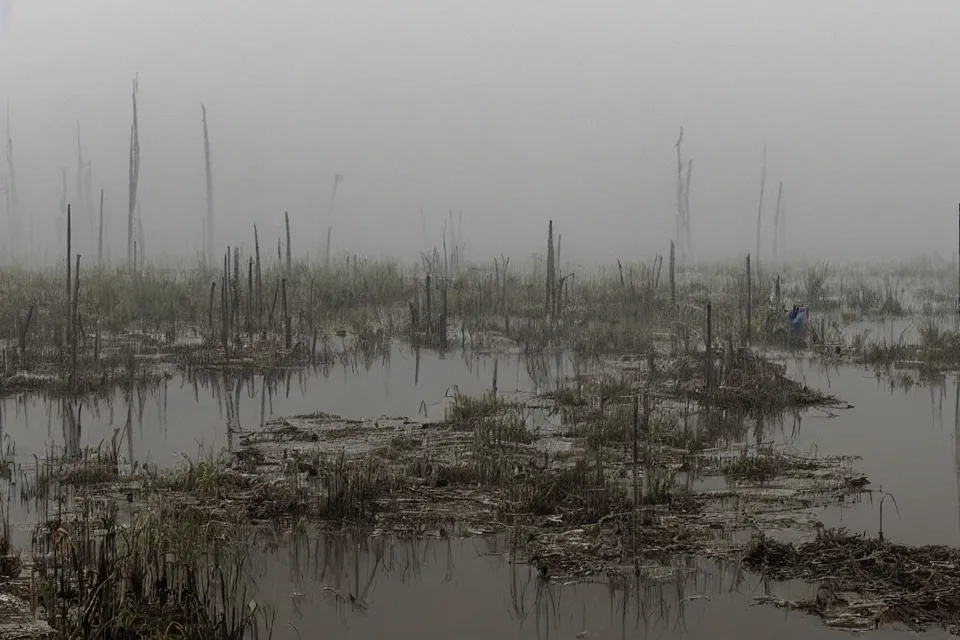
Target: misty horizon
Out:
[509,115]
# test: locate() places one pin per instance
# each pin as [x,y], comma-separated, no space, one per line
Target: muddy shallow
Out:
[179,416]
[907,440]
[465,589]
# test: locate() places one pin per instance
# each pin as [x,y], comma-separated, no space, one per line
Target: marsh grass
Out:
[206,476]
[936,348]
[332,489]
[484,468]
[466,409]
[753,468]
[569,491]
[566,397]
[167,314]
[493,421]
[171,570]
[509,427]
[176,565]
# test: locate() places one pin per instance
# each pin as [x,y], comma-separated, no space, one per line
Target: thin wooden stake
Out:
[287,336]
[286,219]
[256,244]
[749,301]
[250,299]
[213,289]
[673,277]
[74,317]
[708,373]
[69,326]
[100,233]
[636,480]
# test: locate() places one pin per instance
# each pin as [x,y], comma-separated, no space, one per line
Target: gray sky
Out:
[512,112]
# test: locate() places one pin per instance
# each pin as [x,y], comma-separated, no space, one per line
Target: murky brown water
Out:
[465,589]
[181,415]
[908,440]
[436,590]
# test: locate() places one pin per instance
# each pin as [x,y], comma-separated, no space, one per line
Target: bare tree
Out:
[206,163]
[679,218]
[4,186]
[141,238]
[64,208]
[337,179]
[88,195]
[688,233]
[763,186]
[684,236]
[777,221]
[100,233]
[134,177]
[81,197]
[13,205]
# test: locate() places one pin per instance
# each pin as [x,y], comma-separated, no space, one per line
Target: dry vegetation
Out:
[866,582]
[676,381]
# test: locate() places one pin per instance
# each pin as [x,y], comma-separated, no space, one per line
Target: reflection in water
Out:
[354,586]
[897,428]
[357,586]
[956,441]
[158,421]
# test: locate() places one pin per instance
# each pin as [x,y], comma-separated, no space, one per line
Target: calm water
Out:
[466,589]
[182,414]
[437,590]
[908,441]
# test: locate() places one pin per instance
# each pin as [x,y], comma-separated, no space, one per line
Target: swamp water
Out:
[381,587]
[467,589]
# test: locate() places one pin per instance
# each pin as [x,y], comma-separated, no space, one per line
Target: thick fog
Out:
[510,112]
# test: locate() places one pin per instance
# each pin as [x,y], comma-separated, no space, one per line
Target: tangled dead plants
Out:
[866,582]
[414,477]
[172,570]
[471,474]
[751,383]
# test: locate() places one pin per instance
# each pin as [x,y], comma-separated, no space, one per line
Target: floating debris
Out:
[865,582]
